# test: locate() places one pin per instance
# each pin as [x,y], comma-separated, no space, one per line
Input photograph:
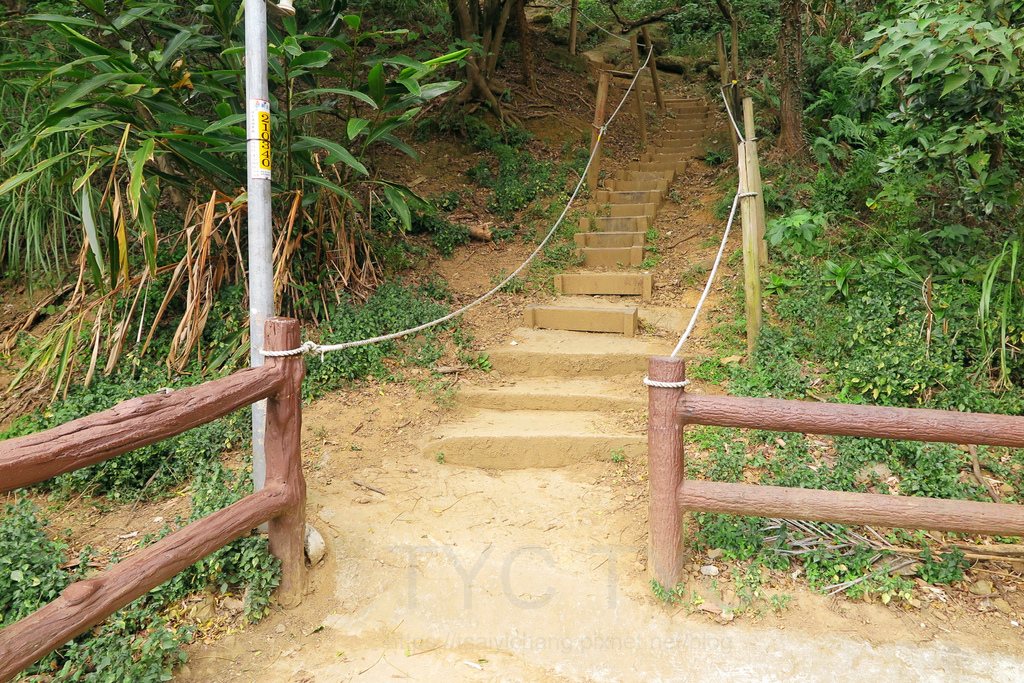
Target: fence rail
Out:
[671,409]
[143,421]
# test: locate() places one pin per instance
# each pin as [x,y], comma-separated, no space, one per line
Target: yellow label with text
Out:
[264,127]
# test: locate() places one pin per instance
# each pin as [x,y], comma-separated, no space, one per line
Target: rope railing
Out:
[596,25]
[309,347]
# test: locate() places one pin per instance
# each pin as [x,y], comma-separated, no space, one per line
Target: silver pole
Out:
[261,246]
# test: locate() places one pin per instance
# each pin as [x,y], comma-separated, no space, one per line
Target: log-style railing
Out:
[145,420]
[671,409]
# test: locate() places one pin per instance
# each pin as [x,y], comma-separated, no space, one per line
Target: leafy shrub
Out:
[392,308]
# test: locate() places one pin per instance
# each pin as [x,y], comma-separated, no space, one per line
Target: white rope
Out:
[729,111]
[313,347]
[711,277]
[596,25]
[666,385]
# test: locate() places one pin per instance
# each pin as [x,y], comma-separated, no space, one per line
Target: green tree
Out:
[959,70]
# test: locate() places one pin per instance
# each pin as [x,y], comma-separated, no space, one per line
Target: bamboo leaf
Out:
[139,159]
[376,81]
[311,60]
[89,224]
[82,89]
[336,153]
[337,189]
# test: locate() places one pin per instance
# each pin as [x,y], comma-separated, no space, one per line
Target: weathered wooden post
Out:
[723,68]
[573,11]
[595,135]
[751,244]
[641,112]
[754,172]
[653,66]
[665,468]
[284,460]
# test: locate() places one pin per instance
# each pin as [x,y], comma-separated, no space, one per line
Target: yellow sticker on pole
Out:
[259,139]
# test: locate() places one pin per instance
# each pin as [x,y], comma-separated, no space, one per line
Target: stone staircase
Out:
[566,387]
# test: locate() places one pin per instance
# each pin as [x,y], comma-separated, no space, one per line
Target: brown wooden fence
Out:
[146,420]
[671,409]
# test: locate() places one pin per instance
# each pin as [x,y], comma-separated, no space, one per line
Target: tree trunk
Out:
[791,71]
[486,19]
[525,48]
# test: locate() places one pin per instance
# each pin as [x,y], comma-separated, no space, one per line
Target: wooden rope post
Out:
[723,69]
[653,66]
[284,460]
[595,135]
[751,242]
[641,111]
[573,11]
[665,468]
[754,172]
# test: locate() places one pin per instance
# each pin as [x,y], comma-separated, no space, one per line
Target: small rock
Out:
[909,570]
[730,360]
[729,596]
[914,602]
[939,615]
[727,616]
[363,500]
[233,604]
[639,566]
[413,470]
[314,545]
[709,570]
[1002,605]
[1006,489]
[280,628]
[715,553]
[690,567]
[982,587]
[185,671]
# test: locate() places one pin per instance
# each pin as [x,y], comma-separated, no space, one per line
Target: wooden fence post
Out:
[754,171]
[665,468]
[751,242]
[723,68]
[653,66]
[284,461]
[573,10]
[641,111]
[595,135]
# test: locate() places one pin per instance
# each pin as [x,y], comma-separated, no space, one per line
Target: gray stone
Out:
[315,547]
[673,64]
[714,553]
[709,570]
[982,587]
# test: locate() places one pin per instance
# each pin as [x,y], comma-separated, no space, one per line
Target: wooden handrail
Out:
[146,420]
[671,409]
[86,603]
[842,419]
[129,425]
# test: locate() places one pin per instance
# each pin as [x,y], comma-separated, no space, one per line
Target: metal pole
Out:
[261,245]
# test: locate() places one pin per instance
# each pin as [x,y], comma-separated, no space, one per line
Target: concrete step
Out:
[556,393]
[672,155]
[684,130]
[610,239]
[562,353]
[610,257]
[633,197]
[668,176]
[617,320]
[625,210]
[507,440]
[683,136]
[660,186]
[678,166]
[619,224]
[621,284]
